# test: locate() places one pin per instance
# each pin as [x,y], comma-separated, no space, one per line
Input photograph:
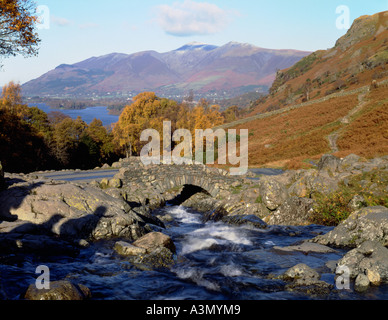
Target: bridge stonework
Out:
[165,177]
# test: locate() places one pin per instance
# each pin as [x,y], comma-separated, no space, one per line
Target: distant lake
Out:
[87,114]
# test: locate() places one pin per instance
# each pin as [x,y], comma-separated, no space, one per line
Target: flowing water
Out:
[214,261]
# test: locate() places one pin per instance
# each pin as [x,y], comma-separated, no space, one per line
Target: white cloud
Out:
[89,25]
[62,22]
[189,18]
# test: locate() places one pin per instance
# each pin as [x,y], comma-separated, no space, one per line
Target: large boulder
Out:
[126,249]
[273,193]
[154,250]
[329,162]
[369,223]
[313,181]
[302,278]
[154,240]
[70,210]
[347,162]
[293,212]
[367,264]
[248,220]
[59,290]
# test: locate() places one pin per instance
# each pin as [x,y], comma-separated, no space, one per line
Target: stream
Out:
[215,261]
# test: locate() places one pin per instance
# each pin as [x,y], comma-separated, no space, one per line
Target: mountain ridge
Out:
[333,101]
[357,58]
[195,66]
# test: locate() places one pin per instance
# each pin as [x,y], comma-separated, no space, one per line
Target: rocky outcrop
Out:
[293,212]
[302,278]
[59,290]
[273,193]
[154,250]
[367,265]
[69,211]
[247,220]
[306,248]
[369,223]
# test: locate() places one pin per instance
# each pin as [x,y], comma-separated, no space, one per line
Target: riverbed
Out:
[214,261]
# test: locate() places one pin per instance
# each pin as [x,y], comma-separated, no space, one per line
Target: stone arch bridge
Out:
[166,177]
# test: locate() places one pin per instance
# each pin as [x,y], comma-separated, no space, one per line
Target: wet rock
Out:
[301,271]
[368,264]
[165,218]
[369,223]
[154,250]
[127,249]
[273,193]
[306,247]
[250,220]
[305,279]
[362,283]
[59,290]
[35,243]
[161,257]
[154,240]
[201,202]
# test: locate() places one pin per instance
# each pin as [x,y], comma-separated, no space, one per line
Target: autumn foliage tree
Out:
[22,133]
[32,140]
[149,112]
[17,28]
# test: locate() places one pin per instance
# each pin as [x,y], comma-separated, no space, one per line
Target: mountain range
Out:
[203,68]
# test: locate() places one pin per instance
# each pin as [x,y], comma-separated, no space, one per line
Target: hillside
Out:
[333,101]
[357,58]
[234,67]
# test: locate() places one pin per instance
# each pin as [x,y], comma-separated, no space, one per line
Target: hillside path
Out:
[333,137]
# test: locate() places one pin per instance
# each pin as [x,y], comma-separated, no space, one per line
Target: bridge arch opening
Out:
[187,192]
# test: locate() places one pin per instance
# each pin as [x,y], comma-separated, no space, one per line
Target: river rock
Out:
[368,264]
[273,193]
[126,249]
[362,283]
[306,247]
[154,240]
[305,279]
[161,257]
[293,212]
[70,210]
[369,223]
[301,271]
[250,220]
[59,290]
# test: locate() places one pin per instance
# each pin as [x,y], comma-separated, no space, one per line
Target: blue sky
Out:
[80,29]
